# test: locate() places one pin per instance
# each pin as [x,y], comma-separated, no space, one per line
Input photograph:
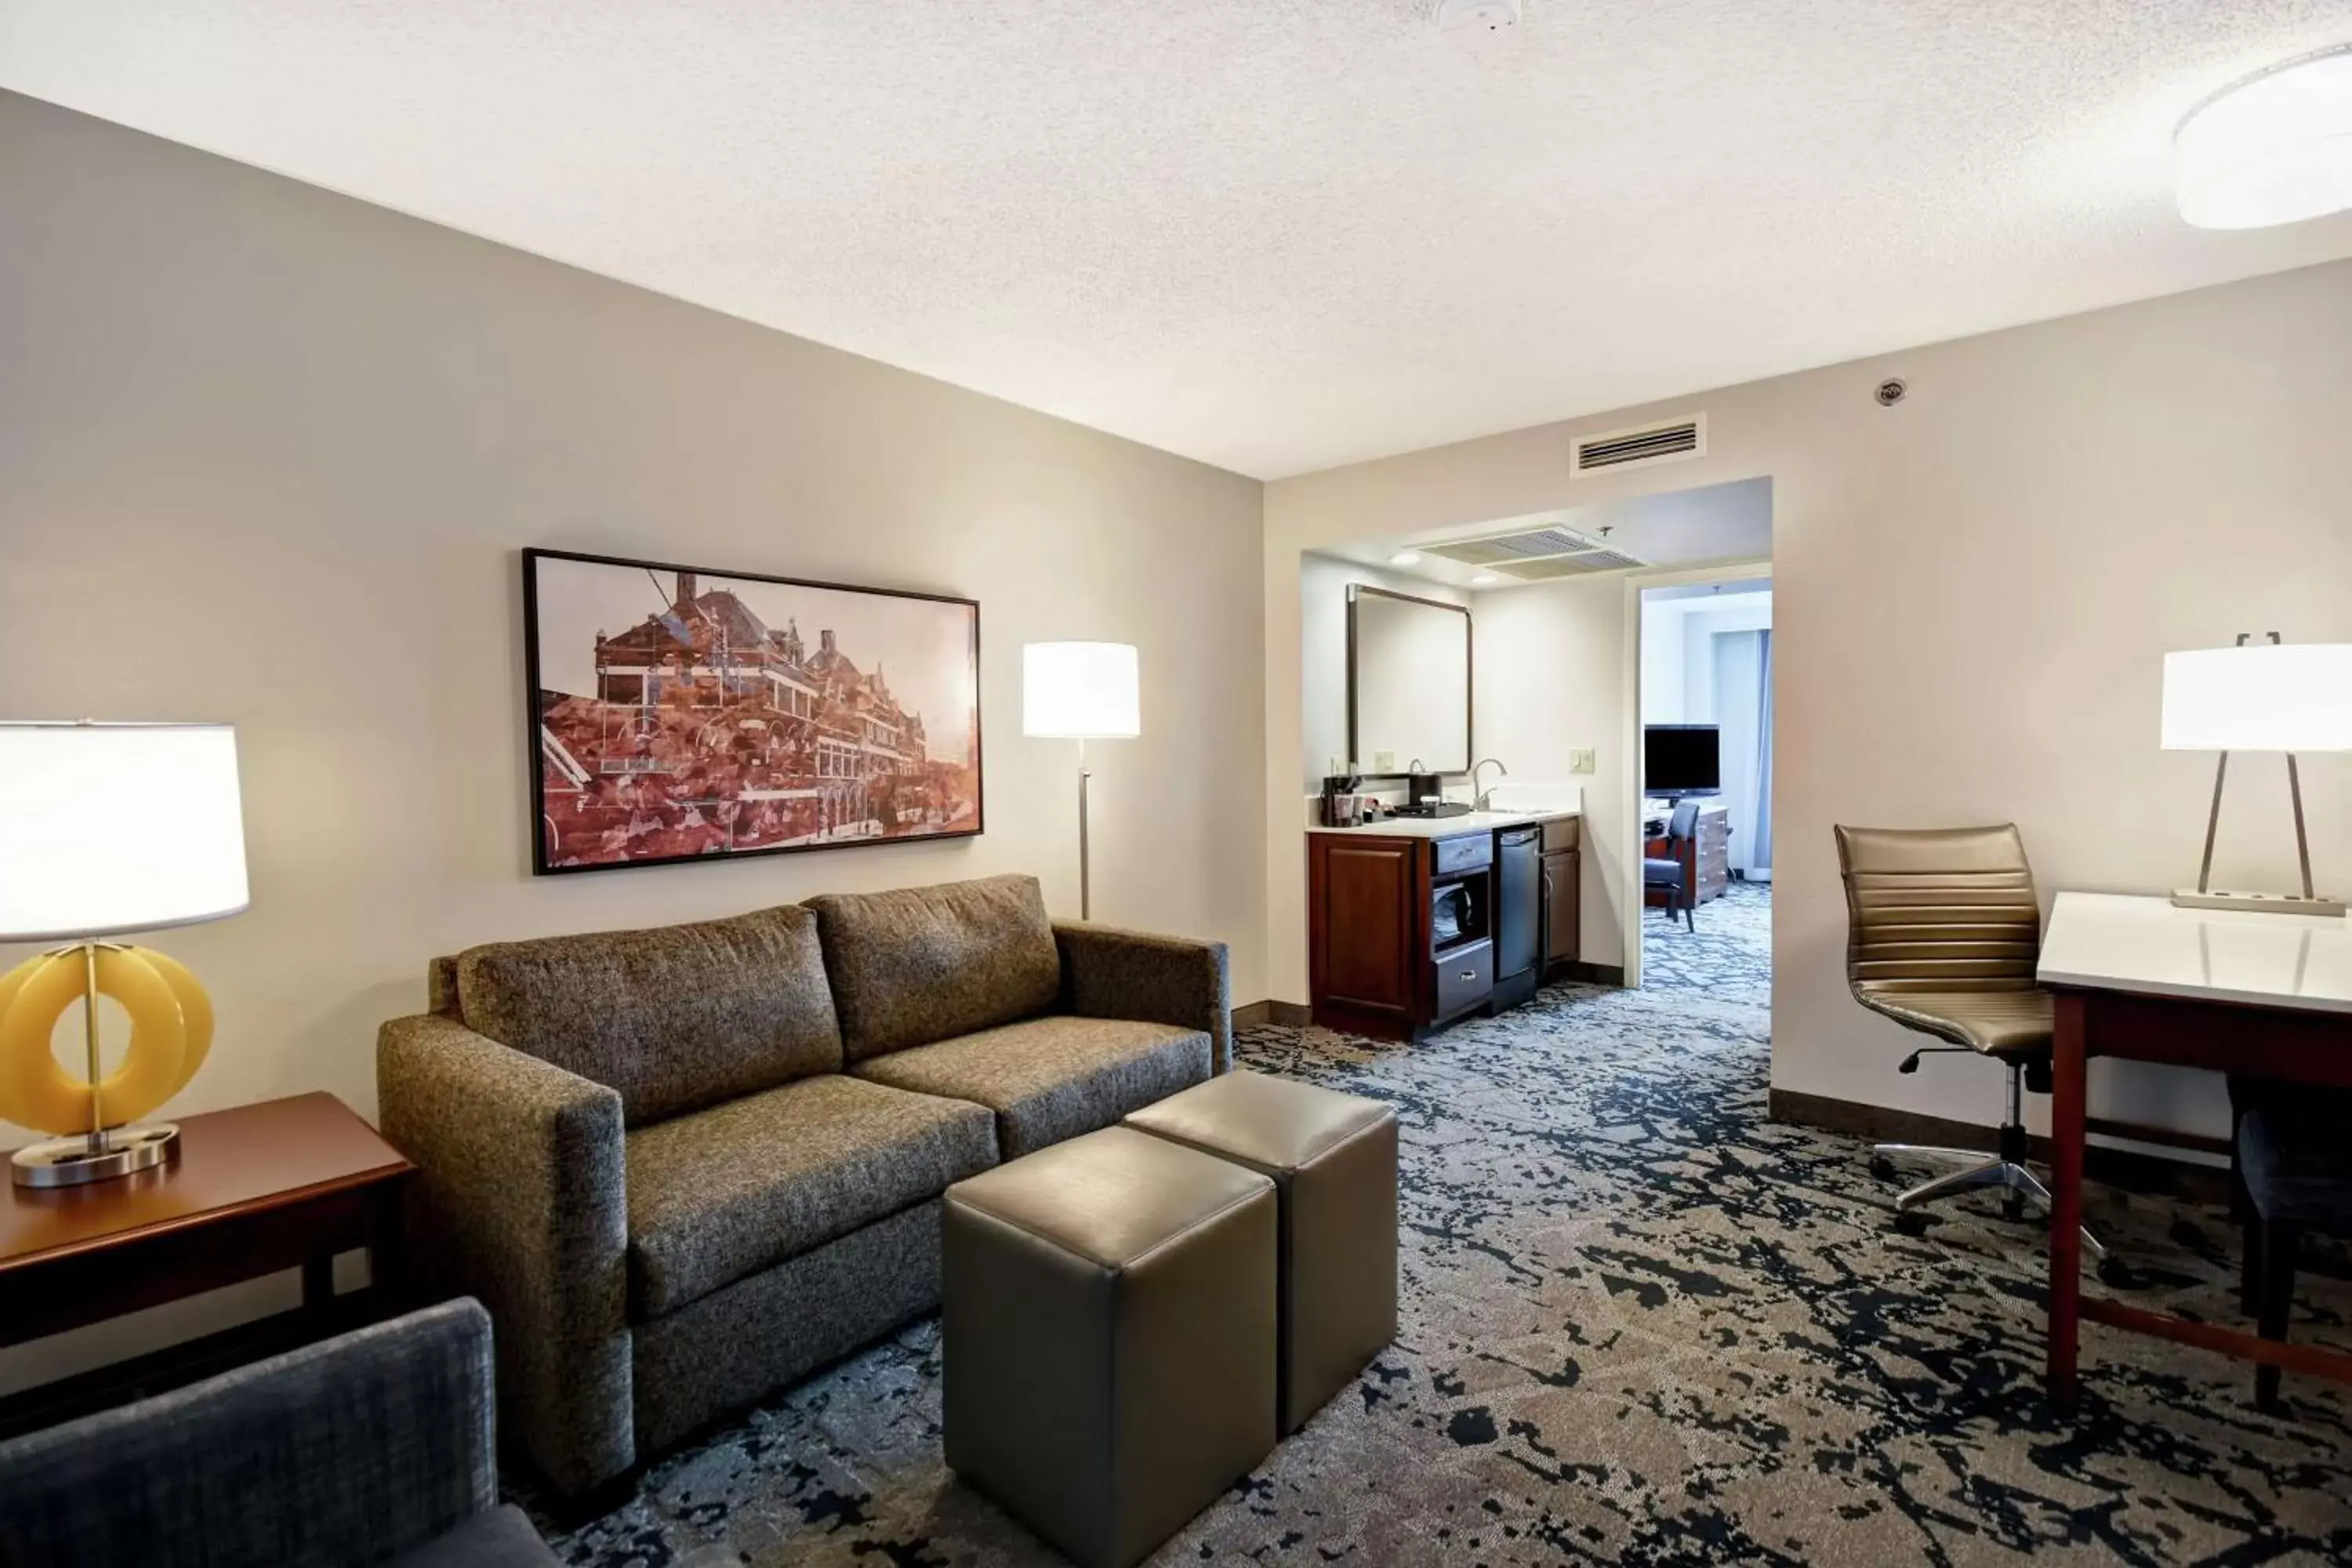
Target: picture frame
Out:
[676,714]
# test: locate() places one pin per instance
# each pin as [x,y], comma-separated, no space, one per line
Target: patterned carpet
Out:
[1642,1325]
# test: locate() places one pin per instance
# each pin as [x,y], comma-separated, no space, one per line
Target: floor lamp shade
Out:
[2258,697]
[104,829]
[1080,690]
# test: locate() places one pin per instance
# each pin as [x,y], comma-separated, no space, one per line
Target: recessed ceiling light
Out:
[1405,558]
[2275,148]
[1485,580]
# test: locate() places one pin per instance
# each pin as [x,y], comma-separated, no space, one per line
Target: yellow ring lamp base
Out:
[171,1030]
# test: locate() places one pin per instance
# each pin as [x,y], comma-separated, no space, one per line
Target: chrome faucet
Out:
[1500,772]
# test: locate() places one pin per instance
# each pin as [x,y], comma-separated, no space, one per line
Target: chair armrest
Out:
[1107,972]
[522,1199]
[352,1450]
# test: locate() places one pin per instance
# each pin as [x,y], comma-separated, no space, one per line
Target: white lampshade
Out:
[2275,148]
[106,828]
[2260,697]
[1083,690]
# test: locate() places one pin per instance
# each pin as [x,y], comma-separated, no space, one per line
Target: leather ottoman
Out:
[1108,1320]
[1333,1157]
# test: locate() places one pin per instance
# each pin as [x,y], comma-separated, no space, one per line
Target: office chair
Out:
[1942,936]
[1681,828]
[2294,1175]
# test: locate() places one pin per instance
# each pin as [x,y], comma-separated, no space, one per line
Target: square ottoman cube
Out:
[1108,1327]
[1334,1159]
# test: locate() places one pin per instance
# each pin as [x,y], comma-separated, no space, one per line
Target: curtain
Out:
[1760,857]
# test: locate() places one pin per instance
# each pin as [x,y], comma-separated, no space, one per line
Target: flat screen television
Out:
[1682,759]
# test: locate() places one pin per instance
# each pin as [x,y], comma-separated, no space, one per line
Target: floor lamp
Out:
[1080,691]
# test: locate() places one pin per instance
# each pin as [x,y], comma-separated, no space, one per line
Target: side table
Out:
[287,1184]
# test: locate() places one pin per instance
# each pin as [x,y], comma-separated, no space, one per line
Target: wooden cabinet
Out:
[1707,858]
[1563,864]
[1383,961]
[1366,917]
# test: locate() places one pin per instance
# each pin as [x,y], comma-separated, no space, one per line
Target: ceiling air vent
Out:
[1599,559]
[1634,449]
[1509,547]
[1535,555]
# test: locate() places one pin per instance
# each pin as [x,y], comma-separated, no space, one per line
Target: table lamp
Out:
[108,828]
[2259,697]
[1082,691]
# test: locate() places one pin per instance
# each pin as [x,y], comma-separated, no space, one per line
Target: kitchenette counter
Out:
[1449,826]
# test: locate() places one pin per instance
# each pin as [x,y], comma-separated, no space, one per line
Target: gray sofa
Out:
[686,1166]
[374,1448]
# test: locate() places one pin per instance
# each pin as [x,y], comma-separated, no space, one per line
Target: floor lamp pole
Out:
[1086,892]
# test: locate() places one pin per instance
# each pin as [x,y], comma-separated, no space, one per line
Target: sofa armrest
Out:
[522,1199]
[1107,972]
[352,1450]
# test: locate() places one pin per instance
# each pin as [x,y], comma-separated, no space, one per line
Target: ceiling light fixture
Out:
[1405,558]
[1485,580]
[2273,148]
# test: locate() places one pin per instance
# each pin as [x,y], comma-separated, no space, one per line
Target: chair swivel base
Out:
[1977,1171]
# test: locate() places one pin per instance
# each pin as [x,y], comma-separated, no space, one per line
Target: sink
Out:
[1509,795]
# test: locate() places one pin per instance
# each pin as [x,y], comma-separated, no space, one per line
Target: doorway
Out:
[1702,746]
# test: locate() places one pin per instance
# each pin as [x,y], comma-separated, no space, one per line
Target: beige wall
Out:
[267,455]
[1551,679]
[1971,591]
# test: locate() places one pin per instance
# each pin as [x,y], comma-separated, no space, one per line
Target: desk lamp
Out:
[2258,697]
[104,829]
[1082,691]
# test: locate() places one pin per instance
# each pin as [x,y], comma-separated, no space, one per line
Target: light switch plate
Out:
[1581,761]
[1384,762]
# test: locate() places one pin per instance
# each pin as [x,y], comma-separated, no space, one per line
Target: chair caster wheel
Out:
[1910,1222]
[1882,1167]
[2012,1207]
[2114,1273]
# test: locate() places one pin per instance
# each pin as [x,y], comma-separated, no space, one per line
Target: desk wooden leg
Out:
[2066,1096]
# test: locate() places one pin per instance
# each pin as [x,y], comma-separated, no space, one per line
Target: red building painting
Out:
[706,729]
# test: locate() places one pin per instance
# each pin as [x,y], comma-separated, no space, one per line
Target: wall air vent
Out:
[1669,443]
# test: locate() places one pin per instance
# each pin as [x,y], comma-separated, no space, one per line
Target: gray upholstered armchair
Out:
[374,1448]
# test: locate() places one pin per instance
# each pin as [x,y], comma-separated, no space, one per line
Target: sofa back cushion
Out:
[673,1018]
[921,964]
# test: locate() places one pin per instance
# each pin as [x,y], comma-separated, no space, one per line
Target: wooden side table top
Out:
[234,1162]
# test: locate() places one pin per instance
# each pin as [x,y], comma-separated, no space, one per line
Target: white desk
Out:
[2264,994]
[2118,942]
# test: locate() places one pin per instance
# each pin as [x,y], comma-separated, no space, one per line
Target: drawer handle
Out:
[1469,975]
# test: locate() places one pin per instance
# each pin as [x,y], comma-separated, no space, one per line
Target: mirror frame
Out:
[1469,686]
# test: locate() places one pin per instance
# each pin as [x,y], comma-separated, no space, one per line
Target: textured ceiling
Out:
[1275,236]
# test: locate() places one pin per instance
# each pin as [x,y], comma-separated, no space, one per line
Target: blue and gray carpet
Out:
[1642,1325]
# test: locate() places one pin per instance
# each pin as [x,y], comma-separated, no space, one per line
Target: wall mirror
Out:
[1408,683]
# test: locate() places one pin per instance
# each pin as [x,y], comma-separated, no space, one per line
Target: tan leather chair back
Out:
[1946,909]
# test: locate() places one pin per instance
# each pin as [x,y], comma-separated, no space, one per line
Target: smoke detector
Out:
[1475,18]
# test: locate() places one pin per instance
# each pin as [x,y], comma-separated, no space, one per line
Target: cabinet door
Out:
[1362,911]
[1562,905]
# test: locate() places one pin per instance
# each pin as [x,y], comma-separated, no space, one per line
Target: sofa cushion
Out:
[724,1194]
[1050,1078]
[926,964]
[673,1018]
[500,1538]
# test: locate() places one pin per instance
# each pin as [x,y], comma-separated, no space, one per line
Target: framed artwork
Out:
[678,712]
